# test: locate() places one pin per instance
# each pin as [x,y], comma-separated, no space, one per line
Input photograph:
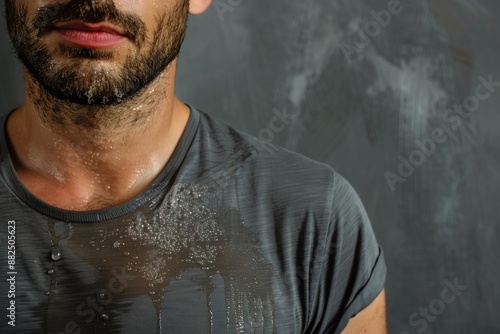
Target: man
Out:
[125,210]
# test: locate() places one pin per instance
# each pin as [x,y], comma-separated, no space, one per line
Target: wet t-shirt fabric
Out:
[235,236]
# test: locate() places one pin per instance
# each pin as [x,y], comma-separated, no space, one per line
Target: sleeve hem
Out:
[367,295]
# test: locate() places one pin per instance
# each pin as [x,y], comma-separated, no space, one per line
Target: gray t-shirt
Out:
[235,236]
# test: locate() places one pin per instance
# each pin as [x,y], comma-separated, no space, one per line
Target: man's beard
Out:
[79,78]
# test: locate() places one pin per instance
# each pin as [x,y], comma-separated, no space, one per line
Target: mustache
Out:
[90,12]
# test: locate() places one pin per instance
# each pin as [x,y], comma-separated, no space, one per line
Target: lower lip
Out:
[91,39]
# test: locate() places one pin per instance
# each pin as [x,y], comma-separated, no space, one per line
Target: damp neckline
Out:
[161,184]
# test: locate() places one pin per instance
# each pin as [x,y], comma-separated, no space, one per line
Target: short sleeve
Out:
[353,270]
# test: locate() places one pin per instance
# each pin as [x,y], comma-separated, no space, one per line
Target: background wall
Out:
[371,93]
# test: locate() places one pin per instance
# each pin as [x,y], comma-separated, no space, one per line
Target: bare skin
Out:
[84,168]
[88,169]
[370,320]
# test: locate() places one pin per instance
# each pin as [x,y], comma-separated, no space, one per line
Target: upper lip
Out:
[102,27]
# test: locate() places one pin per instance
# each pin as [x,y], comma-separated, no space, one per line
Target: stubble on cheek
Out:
[95,79]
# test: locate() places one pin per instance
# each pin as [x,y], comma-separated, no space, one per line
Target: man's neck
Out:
[76,162]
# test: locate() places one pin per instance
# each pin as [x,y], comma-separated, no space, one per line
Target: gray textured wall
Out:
[363,102]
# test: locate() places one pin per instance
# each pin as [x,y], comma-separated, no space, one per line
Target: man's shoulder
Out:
[268,166]
[233,144]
